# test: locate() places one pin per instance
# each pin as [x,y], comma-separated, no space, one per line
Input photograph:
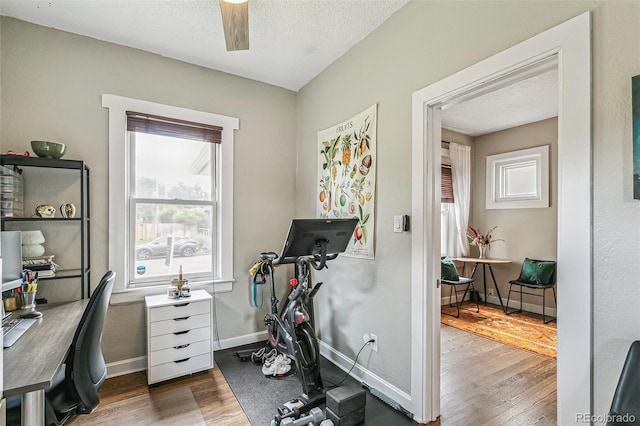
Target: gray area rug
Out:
[260,396]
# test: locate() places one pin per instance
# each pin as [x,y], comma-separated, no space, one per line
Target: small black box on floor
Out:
[349,419]
[346,399]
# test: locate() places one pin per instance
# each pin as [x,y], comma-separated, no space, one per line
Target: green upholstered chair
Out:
[534,275]
[449,276]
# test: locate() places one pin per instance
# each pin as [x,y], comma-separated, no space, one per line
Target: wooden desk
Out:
[485,263]
[32,363]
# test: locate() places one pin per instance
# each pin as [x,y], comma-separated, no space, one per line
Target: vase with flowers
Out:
[483,241]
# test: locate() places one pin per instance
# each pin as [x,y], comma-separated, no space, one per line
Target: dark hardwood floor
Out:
[483,383]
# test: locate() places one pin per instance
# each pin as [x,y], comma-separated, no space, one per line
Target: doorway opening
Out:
[569,46]
[485,353]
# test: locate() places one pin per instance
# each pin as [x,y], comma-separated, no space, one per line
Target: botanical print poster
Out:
[347,177]
[635,100]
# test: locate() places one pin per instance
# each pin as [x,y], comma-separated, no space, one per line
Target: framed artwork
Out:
[347,177]
[635,101]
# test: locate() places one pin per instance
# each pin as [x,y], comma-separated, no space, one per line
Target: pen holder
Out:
[28,299]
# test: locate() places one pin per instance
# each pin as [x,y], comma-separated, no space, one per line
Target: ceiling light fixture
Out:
[235,20]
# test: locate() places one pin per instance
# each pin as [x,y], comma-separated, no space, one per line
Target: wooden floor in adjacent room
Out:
[483,383]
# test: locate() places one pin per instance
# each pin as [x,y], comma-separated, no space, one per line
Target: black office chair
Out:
[534,275]
[626,401]
[75,388]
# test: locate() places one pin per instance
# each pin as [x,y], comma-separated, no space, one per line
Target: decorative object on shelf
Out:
[32,250]
[32,237]
[48,149]
[186,290]
[179,283]
[172,292]
[26,153]
[12,189]
[476,238]
[68,210]
[45,210]
[32,243]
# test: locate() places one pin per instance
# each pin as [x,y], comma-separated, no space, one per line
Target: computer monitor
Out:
[11,258]
[304,236]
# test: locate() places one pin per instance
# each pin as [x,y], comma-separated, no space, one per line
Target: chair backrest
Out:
[86,368]
[534,271]
[626,400]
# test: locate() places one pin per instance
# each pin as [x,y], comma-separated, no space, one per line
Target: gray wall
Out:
[526,232]
[52,85]
[421,44]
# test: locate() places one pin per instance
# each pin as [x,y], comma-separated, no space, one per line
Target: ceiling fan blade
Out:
[235,20]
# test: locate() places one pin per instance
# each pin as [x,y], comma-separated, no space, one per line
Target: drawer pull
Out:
[177,333]
[180,305]
[181,318]
[182,346]
[182,360]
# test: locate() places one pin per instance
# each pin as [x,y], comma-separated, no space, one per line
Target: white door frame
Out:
[570,44]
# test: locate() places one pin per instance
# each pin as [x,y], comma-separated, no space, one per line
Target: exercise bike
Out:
[310,243]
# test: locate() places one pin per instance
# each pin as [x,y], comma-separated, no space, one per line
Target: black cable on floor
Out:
[335,385]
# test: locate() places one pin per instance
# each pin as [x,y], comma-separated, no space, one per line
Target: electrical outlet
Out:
[490,291]
[374,344]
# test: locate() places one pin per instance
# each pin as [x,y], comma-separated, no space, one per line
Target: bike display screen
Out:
[305,234]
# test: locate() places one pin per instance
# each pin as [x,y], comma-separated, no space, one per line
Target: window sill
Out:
[136,295]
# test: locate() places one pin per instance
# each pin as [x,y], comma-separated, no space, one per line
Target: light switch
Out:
[397,223]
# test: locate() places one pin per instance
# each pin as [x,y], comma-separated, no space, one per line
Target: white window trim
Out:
[118,171]
[498,167]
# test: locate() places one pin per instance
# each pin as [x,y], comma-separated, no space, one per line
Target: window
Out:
[446,185]
[170,193]
[171,199]
[518,179]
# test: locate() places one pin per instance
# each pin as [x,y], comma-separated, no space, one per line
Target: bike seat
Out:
[268,256]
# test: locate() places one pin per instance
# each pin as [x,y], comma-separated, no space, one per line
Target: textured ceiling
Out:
[521,103]
[291,42]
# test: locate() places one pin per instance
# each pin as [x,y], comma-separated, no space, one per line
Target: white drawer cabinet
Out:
[179,335]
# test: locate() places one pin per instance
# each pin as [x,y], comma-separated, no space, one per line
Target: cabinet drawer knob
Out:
[182,346]
[182,360]
[177,333]
[180,305]
[181,318]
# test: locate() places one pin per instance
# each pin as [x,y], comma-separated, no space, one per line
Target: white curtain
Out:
[461,176]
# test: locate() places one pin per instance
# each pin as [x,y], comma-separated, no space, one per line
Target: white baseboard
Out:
[513,304]
[363,375]
[133,365]
[240,340]
[126,366]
